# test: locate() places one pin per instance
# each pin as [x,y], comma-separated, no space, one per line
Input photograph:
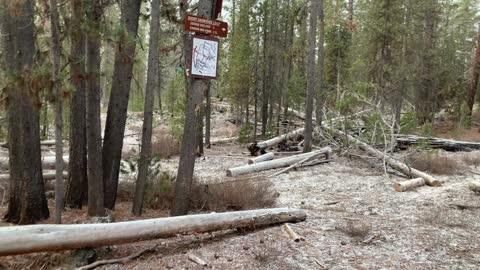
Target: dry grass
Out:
[126,191]
[434,163]
[235,195]
[229,196]
[165,146]
[471,160]
[356,228]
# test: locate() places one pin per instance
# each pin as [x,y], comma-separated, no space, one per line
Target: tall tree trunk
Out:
[321,60]
[208,114]
[475,74]
[27,202]
[195,90]
[350,12]
[56,58]
[118,103]
[77,184]
[159,83]
[264,71]
[311,76]
[426,98]
[199,139]
[94,136]
[146,152]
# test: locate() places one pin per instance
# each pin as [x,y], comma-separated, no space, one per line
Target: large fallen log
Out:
[47,175]
[402,167]
[277,163]
[445,144]
[47,162]
[262,158]
[259,147]
[44,143]
[223,140]
[38,238]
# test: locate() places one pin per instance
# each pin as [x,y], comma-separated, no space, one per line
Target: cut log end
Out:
[408,185]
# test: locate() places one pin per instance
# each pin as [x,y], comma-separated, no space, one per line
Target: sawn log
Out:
[277,163]
[38,238]
[259,147]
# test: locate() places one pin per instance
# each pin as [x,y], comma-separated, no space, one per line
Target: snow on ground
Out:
[355,221]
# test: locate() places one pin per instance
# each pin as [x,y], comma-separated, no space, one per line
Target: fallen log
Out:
[16,240]
[402,167]
[47,162]
[259,147]
[262,158]
[43,143]
[475,187]
[47,175]
[446,144]
[277,163]
[410,184]
[223,140]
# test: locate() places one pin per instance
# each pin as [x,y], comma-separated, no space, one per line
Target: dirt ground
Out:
[355,221]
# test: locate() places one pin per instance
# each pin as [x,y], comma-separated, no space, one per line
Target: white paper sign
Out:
[204,57]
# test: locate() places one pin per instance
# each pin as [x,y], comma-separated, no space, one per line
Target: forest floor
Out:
[355,221]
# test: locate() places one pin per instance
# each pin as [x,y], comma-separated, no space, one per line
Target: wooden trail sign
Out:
[206,26]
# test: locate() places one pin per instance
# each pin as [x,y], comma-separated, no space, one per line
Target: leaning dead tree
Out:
[259,147]
[445,144]
[39,238]
[278,163]
[400,166]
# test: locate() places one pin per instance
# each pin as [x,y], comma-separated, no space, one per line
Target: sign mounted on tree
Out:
[206,26]
[204,57]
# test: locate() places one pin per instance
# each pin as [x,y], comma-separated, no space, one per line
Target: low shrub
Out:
[434,163]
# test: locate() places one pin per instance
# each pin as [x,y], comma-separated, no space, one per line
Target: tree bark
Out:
[321,60]
[77,184]
[56,58]
[208,115]
[27,201]
[277,163]
[472,91]
[195,89]
[94,137]
[311,76]
[38,238]
[118,103]
[146,152]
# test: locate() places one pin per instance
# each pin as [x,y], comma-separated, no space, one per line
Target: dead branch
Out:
[122,260]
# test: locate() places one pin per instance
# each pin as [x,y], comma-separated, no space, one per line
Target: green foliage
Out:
[241,58]
[175,102]
[408,122]
[465,116]
[159,190]
[246,133]
[427,129]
